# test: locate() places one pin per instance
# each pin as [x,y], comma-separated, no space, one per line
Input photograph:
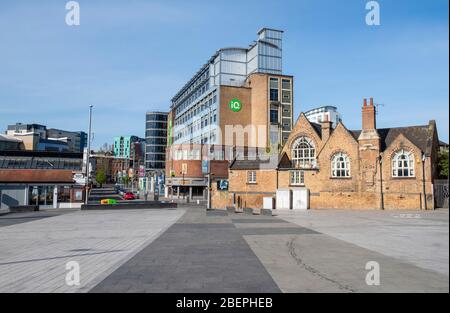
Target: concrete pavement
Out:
[33,255]
[192,250]
[417,237]
[205,252]
[202,252]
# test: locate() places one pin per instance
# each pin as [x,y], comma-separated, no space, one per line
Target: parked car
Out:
[129,196]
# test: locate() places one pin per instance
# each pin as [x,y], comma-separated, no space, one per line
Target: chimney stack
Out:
[326,128]
[368,115]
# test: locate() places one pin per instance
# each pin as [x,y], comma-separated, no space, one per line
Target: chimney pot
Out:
[365,102]
[368,116]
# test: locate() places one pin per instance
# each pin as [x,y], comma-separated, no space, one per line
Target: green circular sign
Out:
[235,105]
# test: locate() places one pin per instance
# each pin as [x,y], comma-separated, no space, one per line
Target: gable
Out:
[401,142]
[339,135]
[303,127]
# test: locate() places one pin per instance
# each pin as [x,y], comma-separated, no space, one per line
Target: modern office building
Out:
[30,134]
[237,89]
[253,76]
[10,143]
[37,137]
[324,113]
[52,144]
[155,141]
[131,150]
[128,147]
[20,128]
[76,141]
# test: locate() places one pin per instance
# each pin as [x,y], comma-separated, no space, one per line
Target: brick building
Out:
[321,167]
[239,99]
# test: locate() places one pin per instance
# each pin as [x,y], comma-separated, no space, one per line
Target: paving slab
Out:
[33,255]
[209,255]
[320,263]
[417,237]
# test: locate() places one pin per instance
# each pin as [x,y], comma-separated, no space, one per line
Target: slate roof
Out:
[317,128]
[418,135]
[253,164]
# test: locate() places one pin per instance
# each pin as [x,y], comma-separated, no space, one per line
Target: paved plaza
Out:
[192,250]
[33,255]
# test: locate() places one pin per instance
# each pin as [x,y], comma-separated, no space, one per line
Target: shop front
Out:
[45,189]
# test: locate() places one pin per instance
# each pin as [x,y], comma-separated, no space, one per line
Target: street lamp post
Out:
[88,154]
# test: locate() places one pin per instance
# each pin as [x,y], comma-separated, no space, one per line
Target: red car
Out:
[129,196]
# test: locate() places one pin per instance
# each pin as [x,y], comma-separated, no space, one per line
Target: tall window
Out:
[340,165]
[304,152]
[273,116]
[297,178]
[403,164]
[273,89]
[251,177]
[285,91]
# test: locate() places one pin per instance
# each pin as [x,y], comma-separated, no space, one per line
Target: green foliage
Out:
[125,180]
[443,164]
[100,177]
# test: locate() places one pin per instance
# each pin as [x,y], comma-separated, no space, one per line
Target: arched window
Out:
[303,152]
[340,165]
[403,164]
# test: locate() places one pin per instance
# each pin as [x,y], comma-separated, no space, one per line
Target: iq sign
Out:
[235,105]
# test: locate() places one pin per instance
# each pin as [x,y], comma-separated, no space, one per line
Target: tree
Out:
[443,164]
[100,177]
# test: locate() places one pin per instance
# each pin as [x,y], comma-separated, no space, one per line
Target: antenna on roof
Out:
[378,105]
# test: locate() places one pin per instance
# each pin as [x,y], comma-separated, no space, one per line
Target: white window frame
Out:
[340,165]
[303,152]
[402,161]
[297,178]
[251,177]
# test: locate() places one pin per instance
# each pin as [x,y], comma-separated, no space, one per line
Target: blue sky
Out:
[128,57]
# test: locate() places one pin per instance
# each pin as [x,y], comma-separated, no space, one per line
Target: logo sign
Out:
[222,184]
[235,105]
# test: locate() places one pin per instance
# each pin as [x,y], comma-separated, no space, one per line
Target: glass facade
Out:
[155,140]
[195,107]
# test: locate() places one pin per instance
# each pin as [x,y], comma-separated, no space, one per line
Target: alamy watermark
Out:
[373,276]
[73,14]
[373,16]
[73,273]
